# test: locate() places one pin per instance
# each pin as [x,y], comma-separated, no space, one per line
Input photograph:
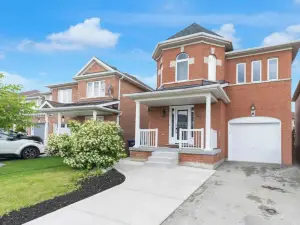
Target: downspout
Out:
[119,97]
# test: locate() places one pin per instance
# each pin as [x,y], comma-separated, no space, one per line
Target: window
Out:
[182,67]
[96,89]
[48,97]
[99,118]
[38,102]
[241,73]
[212,68]
[65,96]
[273,69]
[256,71]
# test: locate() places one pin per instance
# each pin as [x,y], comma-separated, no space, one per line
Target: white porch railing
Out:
[148,138]
[214,139]
[194,138]
[191,138]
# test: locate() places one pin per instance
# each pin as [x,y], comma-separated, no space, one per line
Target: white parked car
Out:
[11,145]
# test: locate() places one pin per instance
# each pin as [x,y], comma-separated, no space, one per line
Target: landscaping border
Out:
[89,187]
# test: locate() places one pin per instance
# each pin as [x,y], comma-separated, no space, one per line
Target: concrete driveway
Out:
[246,194]
[147,197]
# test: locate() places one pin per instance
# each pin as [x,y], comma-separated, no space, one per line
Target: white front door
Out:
[181,117]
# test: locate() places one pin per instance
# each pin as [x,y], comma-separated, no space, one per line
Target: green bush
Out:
[92,144]
[59,145]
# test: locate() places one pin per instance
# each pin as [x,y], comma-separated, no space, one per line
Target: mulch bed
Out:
[89,187]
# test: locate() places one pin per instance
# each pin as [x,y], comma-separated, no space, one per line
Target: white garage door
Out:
[254,139]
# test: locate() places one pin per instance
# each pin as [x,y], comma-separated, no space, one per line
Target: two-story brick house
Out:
[213,103]
[96,92]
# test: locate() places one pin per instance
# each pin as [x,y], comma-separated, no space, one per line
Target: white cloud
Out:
[2,56]
[149,80]
[289,34]
[228,32]
[297,1]
[28,84]
[77,37]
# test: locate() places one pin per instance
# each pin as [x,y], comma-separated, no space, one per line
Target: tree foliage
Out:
[14,110]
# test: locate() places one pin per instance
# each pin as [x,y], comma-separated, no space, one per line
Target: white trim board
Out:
[264,81]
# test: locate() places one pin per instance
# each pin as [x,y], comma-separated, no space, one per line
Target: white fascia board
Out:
[189,37]
[134,81]
[196,90]
[62,84]
[90,61]
[92,75]
[82,107]
[46,103]
[270,48]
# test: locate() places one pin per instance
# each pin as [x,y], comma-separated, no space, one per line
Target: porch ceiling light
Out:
[63,119]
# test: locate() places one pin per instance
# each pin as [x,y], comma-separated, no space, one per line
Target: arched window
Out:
[182,67]
[212,68]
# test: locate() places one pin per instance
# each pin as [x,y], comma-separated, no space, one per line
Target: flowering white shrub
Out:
[92,144]
[58,145]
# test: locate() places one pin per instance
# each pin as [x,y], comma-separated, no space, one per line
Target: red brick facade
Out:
[271,98]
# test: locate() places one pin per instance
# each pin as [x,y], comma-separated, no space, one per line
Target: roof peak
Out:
[192,29]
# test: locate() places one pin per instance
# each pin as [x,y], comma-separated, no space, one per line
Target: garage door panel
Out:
[255,142]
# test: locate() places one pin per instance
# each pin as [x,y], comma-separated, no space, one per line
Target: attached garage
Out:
[254,139]
[39,130]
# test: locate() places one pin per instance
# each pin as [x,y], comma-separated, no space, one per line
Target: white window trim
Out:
[237,73]
[182,60]
[99,118]
[93,89]
[260,80]
[64,90]
[277,71]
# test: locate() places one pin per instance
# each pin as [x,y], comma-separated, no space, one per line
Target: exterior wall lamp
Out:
[253,110]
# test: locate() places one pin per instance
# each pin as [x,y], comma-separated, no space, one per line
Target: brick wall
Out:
[198,70]
[271,99]
[284,65]
[95,68]
[127,107]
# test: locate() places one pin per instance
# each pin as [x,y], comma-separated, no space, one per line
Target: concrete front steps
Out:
[162,158]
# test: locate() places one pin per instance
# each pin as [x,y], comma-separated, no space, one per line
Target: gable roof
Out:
[27,93]
[110,71]
[193,29]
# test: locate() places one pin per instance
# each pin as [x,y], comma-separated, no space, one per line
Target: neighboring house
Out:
[95,93]
[293,120]
[296,99]
[214,103]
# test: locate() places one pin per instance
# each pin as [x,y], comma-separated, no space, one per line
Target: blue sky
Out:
[46,42]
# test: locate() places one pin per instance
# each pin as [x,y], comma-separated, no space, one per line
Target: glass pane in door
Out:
[182,122]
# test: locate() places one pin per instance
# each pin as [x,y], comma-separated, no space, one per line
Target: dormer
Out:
[191,56]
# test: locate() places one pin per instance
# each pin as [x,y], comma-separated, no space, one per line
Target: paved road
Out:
[246,194]
[147,197]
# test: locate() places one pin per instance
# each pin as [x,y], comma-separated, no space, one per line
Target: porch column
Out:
[58,123]
[137,123]
[46,129]
[208,122]
[94,115]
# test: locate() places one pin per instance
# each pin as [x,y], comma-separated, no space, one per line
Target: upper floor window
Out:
[96,89]
[182,67]
[241,73]
[65,96]
[212,67]
[273,69]
[256,71]
[48,97]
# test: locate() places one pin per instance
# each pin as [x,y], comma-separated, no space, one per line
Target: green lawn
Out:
[27,182]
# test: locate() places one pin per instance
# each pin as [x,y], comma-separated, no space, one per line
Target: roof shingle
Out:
[192,29]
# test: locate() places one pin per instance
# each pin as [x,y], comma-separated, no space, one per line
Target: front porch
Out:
[187,121]
[81,111]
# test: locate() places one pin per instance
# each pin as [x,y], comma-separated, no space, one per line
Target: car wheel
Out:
[30,152]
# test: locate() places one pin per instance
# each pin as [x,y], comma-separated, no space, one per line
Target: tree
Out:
[14,110]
